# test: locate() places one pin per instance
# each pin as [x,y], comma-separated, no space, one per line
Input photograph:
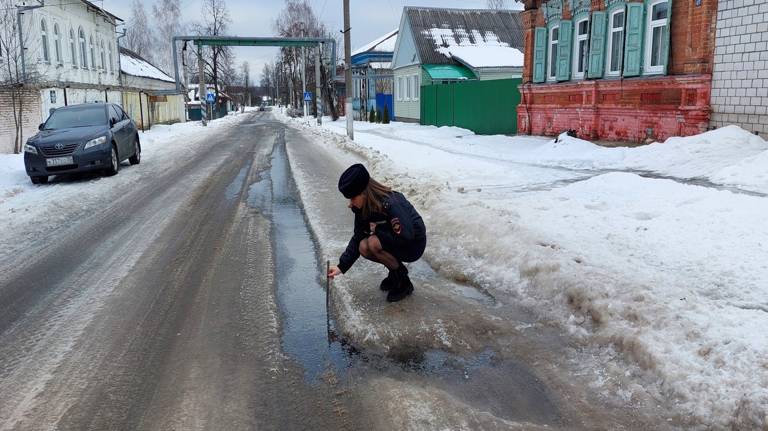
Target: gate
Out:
[485,107]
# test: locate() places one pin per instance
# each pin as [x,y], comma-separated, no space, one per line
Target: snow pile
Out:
[474,48]
[28,213]
[134,66]
[620,245]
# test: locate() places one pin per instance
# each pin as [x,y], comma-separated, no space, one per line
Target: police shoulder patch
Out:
[396,227]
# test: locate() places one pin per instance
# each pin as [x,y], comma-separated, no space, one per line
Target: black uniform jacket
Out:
[398,226]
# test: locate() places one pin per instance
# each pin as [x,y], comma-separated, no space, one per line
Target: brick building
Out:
[740,77]
[617,70]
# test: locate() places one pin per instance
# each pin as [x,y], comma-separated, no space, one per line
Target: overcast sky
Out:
[370,19]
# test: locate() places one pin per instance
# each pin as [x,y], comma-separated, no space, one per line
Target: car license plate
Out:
[59,161]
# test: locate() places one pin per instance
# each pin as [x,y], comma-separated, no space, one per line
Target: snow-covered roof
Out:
[134,65]
[380,64]
[435,29]
[385,43]
[475,49]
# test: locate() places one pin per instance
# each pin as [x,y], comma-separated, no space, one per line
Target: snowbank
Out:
[640,249]
[30,212]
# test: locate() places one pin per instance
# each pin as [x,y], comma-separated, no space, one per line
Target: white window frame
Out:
[57,43]
[93,54]
[72,47]
[550,44]
[416,89]
[45,54]
[408,88]
[103,58]
[609,51]
[83,48]
[576,39]
[111,63]
[650,25]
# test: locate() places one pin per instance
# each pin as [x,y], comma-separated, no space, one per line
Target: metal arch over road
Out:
[201,41]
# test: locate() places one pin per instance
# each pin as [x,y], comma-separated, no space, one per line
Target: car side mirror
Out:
[112,122]
[41,126]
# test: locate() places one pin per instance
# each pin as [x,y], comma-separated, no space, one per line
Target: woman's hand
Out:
[334,271]
[372,227]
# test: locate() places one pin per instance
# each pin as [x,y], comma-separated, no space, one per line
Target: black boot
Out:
[388,283]
[403,286]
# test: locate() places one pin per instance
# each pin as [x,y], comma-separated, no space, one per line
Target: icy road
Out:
[186,293]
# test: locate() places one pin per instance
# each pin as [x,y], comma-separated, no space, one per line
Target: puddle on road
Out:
[233,189]
[505,388]
[300,296]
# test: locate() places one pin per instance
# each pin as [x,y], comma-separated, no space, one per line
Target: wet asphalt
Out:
[196,302]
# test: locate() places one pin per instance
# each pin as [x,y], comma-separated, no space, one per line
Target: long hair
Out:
[374,195]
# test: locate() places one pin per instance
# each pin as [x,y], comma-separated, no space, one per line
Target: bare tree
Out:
[218,59]
[496,4]
[298,19]
[138,37]
[14,80]
[245,72]
[167,21]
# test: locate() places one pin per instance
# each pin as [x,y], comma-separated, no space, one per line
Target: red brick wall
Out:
[622,110]
[692,44]
[632,109]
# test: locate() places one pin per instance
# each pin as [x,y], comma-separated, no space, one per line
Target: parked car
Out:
[81,138]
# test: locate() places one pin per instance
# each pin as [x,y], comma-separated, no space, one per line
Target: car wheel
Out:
[135,159]
[39,180]
[114,163]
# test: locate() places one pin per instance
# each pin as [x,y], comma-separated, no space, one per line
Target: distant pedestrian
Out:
[388,230]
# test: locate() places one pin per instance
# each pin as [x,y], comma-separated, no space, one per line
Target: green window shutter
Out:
[564,51]
[540,55]
[665,45]
[633,46]
[597,45]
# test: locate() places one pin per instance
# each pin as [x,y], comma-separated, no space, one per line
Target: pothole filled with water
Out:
[308,335]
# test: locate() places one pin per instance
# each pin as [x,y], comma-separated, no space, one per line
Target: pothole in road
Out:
[507,389]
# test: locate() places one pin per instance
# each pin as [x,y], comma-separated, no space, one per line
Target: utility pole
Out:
[304,78]
[347,73]
[318,94]
[201,86]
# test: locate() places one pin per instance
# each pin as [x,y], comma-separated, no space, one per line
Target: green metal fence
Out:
[485,107]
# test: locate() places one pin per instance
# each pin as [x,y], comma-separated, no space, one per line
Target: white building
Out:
[71,56]
[148,92]
[442,46]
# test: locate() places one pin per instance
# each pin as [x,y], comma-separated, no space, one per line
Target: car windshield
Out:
[80,117]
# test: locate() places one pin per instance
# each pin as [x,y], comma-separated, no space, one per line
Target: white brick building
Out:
[71,56]
[740,78]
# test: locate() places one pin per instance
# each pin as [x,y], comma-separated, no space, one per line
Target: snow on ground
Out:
[658,251]
[28,213]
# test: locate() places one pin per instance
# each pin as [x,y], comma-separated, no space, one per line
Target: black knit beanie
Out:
[354,180]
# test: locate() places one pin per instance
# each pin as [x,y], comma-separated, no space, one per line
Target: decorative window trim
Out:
[613,9]
[553,11]
[579,7]
[577,19]
[648,38]
[550,76]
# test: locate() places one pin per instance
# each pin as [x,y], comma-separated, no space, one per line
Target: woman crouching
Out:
[388,230]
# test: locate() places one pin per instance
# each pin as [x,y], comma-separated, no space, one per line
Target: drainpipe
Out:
[19,12]
[65,96]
